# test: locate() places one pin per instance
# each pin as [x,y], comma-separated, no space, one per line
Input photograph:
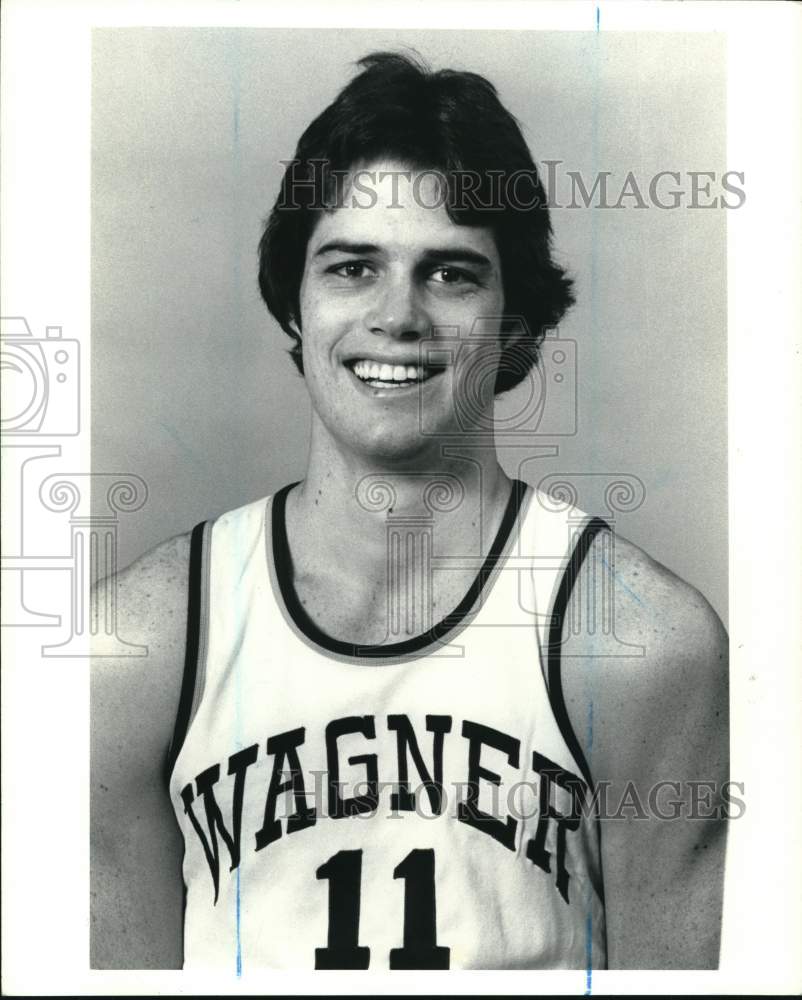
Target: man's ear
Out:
[514,331]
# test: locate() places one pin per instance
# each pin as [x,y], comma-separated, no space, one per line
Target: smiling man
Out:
[376,283]
[373,754]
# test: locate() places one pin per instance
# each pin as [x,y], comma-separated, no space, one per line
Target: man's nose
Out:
[397,311]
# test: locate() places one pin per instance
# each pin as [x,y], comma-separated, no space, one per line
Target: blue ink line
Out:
[235,69]
[589,951]
[239,937]
[589,921]
[594,342]
[188,452]
[594,339]
[590,727]
[621,583]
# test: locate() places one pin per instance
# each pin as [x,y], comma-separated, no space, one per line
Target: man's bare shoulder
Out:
[660,607]
[656,692]
[151,600]
[152,591]
[673,653]
[136,848]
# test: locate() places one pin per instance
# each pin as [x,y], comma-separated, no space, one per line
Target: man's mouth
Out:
[387,376]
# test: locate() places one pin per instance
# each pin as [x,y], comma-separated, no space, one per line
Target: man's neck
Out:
[381,550]
[342,508]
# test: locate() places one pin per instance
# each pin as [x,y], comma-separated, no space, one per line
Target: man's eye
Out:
[352,269]
[452,276]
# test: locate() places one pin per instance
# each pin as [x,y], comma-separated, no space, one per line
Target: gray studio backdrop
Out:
[192,388]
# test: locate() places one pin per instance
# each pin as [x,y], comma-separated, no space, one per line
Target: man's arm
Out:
[659,718]
[136,851]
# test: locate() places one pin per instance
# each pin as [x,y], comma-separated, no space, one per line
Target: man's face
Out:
[380,284]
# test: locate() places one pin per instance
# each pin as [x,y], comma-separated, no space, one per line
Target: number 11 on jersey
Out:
[420,949]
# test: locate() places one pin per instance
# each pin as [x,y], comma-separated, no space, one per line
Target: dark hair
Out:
[448,121]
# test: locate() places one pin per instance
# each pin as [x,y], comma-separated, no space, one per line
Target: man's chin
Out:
[401,450]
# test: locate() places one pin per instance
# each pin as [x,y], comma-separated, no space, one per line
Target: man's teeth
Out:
[370,370]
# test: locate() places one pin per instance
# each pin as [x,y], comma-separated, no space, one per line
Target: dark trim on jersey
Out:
[283,566]
[554,652]
[554,642]
[189,681]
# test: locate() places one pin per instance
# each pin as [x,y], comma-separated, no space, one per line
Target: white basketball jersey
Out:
[420,804]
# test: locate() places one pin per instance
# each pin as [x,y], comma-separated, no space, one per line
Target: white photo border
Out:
[46,77]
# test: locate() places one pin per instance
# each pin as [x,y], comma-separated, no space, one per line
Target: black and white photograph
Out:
[390,516]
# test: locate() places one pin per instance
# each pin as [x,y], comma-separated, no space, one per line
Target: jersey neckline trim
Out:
[280,572]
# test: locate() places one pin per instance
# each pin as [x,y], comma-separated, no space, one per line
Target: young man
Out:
[374,759]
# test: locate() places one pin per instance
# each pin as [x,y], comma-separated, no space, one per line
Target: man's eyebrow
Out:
[457,253]
[343,246]
[433,254]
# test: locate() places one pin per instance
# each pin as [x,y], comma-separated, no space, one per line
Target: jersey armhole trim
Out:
[194,657]
[555,688]
[554,642]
